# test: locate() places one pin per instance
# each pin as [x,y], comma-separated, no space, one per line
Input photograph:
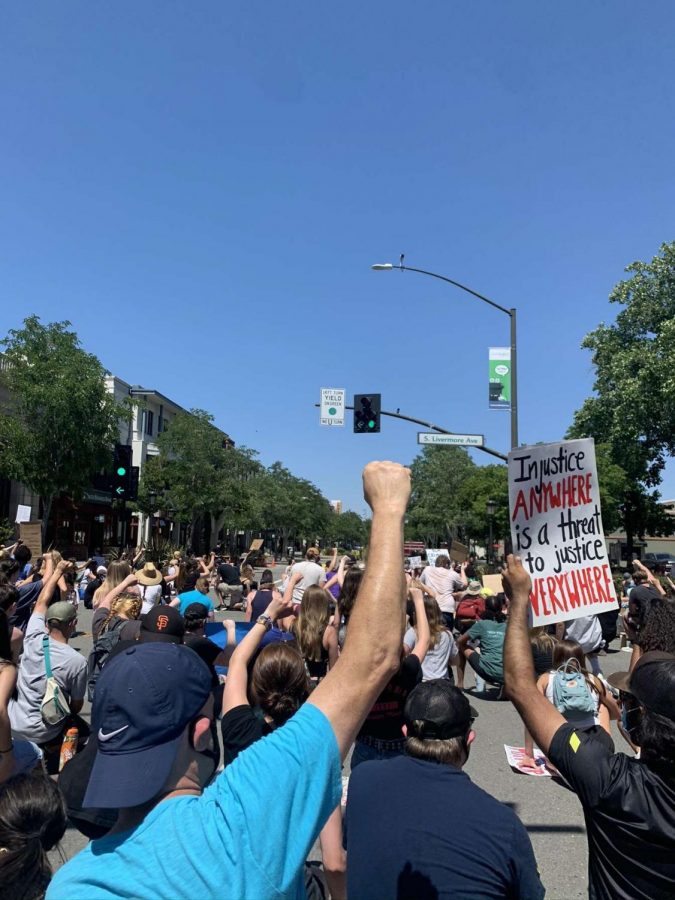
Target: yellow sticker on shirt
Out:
[575,743]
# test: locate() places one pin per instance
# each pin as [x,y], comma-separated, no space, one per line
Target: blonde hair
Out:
[312,622]
[117,572]
[126,606]
[202,585]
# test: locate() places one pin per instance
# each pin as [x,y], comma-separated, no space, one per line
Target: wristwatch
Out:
[264,620]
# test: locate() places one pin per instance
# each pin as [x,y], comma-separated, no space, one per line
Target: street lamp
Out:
[511,313]
[490,508]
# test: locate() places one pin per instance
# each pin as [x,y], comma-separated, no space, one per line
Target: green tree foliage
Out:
[633,408]
[60,423]
[347,528]
[438,474]
[483,484]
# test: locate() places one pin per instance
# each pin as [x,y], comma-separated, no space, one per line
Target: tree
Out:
[60,424]
[438,474]
[347,528]
[633,408]
[483,484]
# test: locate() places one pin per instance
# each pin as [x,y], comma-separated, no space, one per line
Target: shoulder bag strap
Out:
[48,662]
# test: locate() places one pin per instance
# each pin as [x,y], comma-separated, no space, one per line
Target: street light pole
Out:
[511,313]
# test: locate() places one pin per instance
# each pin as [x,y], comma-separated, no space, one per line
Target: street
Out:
[549,811]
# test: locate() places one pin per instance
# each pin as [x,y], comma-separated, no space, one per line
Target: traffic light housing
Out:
[121,478]
[366,413]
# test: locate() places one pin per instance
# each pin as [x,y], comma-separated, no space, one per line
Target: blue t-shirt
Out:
[247,836]
[193,597]
[423,829]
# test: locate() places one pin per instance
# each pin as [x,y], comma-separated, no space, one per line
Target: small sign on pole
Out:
[450,440]
[23,513]
[332,406]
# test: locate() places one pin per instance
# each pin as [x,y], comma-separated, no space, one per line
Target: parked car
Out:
[667,560]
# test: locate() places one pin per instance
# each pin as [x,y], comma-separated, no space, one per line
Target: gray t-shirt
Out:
[586,630]
[69,669]
[312,573]
[435,664]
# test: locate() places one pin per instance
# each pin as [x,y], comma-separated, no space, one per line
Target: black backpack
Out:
[103,647]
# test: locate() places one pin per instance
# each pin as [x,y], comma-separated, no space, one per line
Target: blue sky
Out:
[202,188]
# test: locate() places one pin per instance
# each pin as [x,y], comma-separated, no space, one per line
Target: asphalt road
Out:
[549,811]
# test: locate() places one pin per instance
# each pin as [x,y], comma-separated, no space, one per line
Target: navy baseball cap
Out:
[144,699]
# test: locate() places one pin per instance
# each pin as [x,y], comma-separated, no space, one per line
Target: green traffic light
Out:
[121,471]
[371,424]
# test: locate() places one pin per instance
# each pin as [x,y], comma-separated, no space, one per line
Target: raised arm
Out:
[141,551]
[333,559]
[651,578]
[235,693]
[112,595]
[50,579]
[372,651]
[223,658]
[422,631]
[7,686]
[541,718]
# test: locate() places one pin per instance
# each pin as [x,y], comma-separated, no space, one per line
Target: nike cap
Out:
[144,699]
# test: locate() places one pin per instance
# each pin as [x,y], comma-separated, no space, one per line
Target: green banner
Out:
[500,378]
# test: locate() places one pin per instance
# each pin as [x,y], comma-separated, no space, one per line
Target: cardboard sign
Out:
[255,545]
[415,562]
[31,534]
[494,583]
[556,528]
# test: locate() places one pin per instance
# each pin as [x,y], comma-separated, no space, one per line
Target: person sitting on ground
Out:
[628,804]
[279,685]
[579,696]
[315,633]
[401,842]
[380,736]
[119,608]
[470,606]
[156,767]
[117,571]
[23,556]
[16,755]
[312,573]
[257,601]
[150,586]
[46,646]
[195,618]
[445,582]
[9,597]
[487,658]
[199,595]
[442,650]
[587,632]
[92,585]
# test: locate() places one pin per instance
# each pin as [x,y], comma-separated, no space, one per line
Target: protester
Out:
[403,838]
[117,571]
[23,556]
[346,599]
[442,650]
[315,633]
[229,584]
[444,582]
[9,597]
[196,616]
[487,657]
[152,711]
[198,595]
[380,736]
[470,606]
[150,586]
[332,583]
[258,600]
[311,572]
[92,585]
[46,650]
[587,632]
[628,804]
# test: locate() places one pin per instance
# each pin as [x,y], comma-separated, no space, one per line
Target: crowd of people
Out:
[209,767]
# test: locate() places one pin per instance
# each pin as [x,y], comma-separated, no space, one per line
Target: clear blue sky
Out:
[201,189]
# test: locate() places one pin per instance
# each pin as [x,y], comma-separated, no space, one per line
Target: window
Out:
[149,422]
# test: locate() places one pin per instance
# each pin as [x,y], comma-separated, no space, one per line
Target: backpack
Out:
[54,707]
[100,652]
[570,690]
[470,608]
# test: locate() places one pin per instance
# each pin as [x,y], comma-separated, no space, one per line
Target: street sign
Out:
[332,406]
[451,440]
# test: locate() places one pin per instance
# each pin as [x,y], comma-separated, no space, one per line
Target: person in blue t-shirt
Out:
[403,838]
[182,833]
[199,595]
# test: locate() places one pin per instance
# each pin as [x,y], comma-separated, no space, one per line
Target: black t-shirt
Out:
[642,598]
[630,818]
[239,728]
[385,720]
[260,603]
[205,649]
[422,830]
[229,574]
[91,589]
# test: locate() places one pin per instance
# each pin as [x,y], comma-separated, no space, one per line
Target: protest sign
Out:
[415,562]
[493,583]
[432,555]
[556,528]
[23,513]
[31,535]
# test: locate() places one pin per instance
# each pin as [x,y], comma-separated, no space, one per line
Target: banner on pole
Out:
[556,528]
[499,360]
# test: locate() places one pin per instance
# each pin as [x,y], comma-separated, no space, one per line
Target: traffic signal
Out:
[366,413]
[121,480]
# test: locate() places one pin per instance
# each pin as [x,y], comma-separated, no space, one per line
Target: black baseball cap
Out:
[164,624]
[145,698]
[437,710]
[652,682]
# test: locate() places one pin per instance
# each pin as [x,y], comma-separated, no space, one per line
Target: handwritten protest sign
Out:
[556,528]
[31,534]
[432,555]
[415,562]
